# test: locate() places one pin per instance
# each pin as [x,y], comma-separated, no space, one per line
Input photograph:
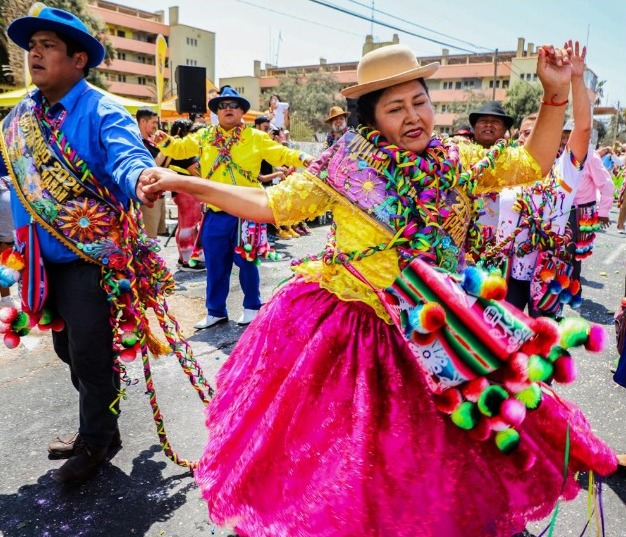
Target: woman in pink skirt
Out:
[327,421]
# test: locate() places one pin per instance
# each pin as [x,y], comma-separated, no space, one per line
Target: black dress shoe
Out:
[62,447]
[81,465]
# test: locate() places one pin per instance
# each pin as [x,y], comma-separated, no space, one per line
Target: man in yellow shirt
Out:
[230,153]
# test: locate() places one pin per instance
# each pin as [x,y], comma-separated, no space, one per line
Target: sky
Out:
[300,32]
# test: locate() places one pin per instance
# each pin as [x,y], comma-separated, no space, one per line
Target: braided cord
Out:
[142,281]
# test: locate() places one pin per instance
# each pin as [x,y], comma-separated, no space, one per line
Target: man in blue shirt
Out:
[106,142]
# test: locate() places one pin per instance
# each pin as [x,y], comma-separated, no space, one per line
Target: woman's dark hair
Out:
[366,105]
[181,127]
[73,47]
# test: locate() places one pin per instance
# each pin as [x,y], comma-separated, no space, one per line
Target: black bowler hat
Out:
[491,108]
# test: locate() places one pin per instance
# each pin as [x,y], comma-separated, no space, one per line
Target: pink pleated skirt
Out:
[323,426]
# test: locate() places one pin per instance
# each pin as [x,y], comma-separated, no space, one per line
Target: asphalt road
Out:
[141,493]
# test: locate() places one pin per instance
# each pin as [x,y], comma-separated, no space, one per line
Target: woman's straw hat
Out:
[385,67]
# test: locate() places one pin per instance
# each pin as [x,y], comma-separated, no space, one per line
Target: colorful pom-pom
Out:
[539,369]
[574,332]
[491,399]
[57,324]
[128,355]
[574,287]
[465,415]
[565,370]
[448,401]
[598,338]
[556,352]
[11,340]
[554,287]
[546,336]
[22,320]
[513,411]
[576,301]
[518,367]
[546,275]
[507,440]
[482,430]
[531,396]
[8,314]
[471,390]
[494,288]
[427,317]
[472,281]
[564,280]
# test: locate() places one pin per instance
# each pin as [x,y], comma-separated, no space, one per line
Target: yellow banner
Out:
[161,53]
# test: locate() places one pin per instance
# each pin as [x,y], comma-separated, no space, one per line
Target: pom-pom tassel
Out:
[598,339]
[427,318]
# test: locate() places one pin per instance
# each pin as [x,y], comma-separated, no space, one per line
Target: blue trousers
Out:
[219,239]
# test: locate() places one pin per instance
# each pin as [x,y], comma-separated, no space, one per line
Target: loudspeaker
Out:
[191,84]
[352,121]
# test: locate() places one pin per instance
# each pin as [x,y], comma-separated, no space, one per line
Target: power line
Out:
[390,26]
[342,30]
[419,26]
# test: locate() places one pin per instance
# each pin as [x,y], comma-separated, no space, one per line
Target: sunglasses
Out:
[231,104]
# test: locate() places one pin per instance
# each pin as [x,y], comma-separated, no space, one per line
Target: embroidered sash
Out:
[64,197]
[73,210]
[356,170]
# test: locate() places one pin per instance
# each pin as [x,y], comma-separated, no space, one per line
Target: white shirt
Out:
[565,176]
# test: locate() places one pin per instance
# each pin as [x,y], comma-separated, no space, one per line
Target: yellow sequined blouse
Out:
[302,196]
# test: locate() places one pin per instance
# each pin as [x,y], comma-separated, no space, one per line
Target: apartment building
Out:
[489,75]
[133,32]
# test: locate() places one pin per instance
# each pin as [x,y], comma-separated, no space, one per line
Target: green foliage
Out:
[523,98]
[309,100]
[472,100]
[12,9]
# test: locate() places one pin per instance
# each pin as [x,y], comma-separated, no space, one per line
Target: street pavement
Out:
[141,493]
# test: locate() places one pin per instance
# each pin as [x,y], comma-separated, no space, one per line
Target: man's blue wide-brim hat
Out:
[43,18]
[229,94]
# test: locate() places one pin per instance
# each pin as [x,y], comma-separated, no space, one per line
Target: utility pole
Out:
[495,75]
[617,118]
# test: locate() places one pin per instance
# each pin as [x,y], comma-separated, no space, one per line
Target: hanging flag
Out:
[161,53]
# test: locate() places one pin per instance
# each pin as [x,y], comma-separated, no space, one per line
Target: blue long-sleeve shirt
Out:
[107,138]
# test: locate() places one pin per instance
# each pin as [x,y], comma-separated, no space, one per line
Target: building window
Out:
[491,83]
[447,85]
[192,63]
[457,85]
[121,55]
[121,78]
[505,84]
[535,77]
[192,42]
[121,33]
[141,81]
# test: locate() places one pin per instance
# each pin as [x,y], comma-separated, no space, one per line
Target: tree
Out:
[12,56]
[523,99]
[472,100]
[309,100]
